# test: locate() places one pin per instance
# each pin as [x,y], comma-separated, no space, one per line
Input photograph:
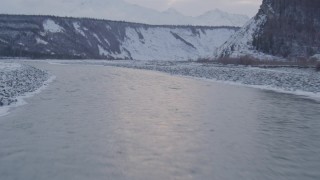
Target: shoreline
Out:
[19,99]
[191,70]
[180,69]
[5,110]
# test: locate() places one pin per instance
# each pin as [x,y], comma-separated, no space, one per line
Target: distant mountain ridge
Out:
[120,10]
[220,18]
[83,38]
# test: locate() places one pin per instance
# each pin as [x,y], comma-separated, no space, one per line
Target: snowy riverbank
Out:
[288,80]
[17,81]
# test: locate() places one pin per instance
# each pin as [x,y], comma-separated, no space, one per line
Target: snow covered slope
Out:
[120,10]
[173,44]
[55,37]
[241,43]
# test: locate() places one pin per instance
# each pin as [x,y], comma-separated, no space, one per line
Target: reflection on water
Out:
[110,123]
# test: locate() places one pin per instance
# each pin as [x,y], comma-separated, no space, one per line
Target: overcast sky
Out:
[197,7]
[187,7]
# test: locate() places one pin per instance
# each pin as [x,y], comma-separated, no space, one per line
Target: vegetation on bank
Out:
[318,67]
[252,61]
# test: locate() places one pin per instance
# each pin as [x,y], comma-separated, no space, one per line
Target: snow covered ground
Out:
[289,80]
[17,80]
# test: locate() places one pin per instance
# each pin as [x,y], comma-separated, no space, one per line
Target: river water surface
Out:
[96,122]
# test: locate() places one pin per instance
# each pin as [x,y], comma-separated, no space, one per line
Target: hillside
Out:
[283,28]
[58,37]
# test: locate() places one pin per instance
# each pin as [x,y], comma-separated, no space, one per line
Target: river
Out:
[96,122]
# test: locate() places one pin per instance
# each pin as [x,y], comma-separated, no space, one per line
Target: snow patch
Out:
[52,27]
[97,37]
[77,27]
[40,41]
[108,27]
[106,40]
[3,41]
[102,51]
[316,56]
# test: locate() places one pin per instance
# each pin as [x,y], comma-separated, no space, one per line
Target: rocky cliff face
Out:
[284,28]
[57,37]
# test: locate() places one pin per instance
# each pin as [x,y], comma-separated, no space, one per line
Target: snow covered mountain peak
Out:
[172,11]
[214,11]
[221,18]
[120,10]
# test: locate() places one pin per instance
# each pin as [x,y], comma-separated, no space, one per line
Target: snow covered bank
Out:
[18,81]
[289,80]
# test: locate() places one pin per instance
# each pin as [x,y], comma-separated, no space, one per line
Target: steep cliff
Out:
[57,37]
[283,28]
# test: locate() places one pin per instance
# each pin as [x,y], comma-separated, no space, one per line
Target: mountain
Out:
[282,28]
[58,37]
[221,18]
[120,10]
